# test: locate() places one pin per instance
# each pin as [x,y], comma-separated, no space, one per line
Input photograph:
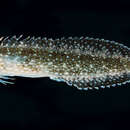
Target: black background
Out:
[45,104]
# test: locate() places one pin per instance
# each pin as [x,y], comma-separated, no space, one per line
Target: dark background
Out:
[45,104]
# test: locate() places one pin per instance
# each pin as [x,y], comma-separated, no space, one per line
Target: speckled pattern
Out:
[82,62]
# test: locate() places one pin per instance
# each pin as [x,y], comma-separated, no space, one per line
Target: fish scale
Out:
[83,62]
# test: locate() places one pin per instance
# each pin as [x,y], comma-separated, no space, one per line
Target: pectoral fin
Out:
[4,80]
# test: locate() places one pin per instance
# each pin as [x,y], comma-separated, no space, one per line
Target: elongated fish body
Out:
[83,62]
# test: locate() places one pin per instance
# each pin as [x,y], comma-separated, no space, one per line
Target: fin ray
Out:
[95,83]
[4,80]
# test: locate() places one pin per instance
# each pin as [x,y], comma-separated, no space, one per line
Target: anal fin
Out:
[86,83]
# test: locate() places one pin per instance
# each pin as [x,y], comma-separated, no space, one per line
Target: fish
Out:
[81,62]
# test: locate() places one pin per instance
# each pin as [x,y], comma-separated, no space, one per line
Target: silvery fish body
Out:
[83,62]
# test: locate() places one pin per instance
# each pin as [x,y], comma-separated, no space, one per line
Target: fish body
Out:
[83,62]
